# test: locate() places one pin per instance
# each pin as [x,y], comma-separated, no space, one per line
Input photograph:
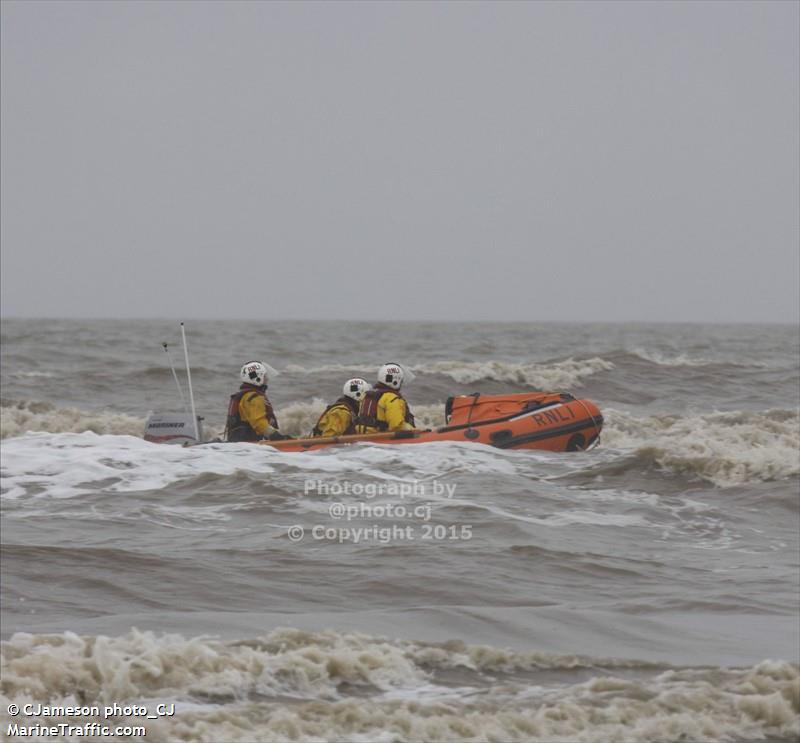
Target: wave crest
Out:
[555,375]
[297,685]
[21,417]
[296,419]
[723,448]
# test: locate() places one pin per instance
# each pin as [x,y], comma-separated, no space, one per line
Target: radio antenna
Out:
[175,377]
[189,380]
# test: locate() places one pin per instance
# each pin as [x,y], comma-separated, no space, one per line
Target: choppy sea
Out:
[645,590]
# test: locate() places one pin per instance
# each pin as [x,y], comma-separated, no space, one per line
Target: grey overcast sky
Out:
[480,161]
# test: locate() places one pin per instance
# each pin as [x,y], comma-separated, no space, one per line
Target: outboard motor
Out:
[172,428]
[176,428]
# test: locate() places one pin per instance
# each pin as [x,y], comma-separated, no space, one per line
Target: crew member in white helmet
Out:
[250,413]
[384,408]
[339,418]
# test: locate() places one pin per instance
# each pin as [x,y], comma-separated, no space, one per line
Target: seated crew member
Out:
[250,413]
[339,418]
[383,407]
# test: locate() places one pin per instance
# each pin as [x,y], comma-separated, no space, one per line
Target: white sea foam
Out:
[724,448]
[555,375]
[296,419]
[63,465]
[68,464]
[34,374]
[545,376]
[17,418]
[678,359]
[354,687]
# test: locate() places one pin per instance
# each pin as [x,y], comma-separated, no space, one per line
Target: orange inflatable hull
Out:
[536,420]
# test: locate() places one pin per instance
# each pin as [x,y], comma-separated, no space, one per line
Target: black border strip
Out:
[596,422]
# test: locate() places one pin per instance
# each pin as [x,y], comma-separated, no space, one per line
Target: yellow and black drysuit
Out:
[383,409]
[338,419]
[250,415]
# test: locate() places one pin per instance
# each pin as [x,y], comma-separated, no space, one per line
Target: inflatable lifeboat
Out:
[535,420]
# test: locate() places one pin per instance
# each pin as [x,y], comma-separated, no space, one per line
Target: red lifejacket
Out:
[368,412]
[237,429]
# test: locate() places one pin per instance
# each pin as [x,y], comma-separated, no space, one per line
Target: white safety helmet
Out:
[257,373]
[393,375]
[355,388]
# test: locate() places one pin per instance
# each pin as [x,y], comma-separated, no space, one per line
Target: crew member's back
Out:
[250,413]
[384,408]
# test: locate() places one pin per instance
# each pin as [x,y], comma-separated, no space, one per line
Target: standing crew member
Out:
[250,413]
[339,419]
[383,407]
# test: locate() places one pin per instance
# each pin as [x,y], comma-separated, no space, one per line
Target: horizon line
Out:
[361,320]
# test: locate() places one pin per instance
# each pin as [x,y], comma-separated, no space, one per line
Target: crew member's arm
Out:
[253,409]
[395,411]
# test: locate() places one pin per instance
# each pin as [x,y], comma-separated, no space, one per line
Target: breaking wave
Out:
[555,375]
[296,419]
[18,418]
[726,449]
[303,686]
[723,448]
[682,359]
[287,661]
